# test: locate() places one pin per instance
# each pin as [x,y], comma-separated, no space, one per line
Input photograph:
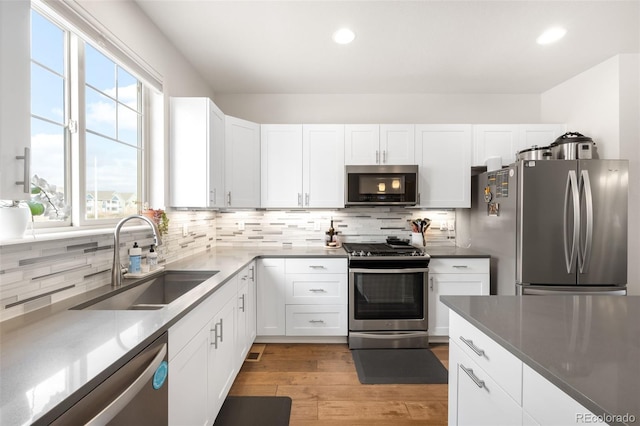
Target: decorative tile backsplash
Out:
[37,274]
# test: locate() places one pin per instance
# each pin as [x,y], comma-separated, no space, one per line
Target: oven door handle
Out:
[386,271]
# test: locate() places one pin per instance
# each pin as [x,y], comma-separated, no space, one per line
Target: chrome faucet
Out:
[117,268]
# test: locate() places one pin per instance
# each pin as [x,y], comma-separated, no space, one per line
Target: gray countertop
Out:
[588,346]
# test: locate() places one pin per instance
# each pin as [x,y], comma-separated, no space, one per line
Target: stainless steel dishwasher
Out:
[136,394]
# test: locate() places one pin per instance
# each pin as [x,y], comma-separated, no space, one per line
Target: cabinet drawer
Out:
[316,289]
[498,363]
[316,320]
[315,266]
[459,265]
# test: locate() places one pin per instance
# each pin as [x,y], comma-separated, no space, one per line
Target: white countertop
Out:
[55,354]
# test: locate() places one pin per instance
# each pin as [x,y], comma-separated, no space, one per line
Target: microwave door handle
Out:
[121,401]
[585,184]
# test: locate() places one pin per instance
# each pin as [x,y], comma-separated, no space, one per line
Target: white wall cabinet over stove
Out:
[302,297]
[370,144]
[454,276]
[302,166]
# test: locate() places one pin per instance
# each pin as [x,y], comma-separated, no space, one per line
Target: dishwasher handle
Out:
[118,404]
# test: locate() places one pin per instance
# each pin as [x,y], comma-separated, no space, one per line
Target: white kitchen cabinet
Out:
[15,133]
[302,166]
[543,403]
[474,397]
[367,144]
[196,160]
[505,140]
[454,276]
[242,163]
[223,367]
[271,297]
[246,320]
[443,154]
[316,320]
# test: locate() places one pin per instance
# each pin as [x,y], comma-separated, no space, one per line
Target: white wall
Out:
[603,102]
[381,108]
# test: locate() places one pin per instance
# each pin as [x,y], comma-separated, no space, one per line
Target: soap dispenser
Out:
[135,258]
[152,259]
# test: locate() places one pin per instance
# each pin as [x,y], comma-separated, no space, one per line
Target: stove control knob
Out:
[415,253]
[361,253]
[368,253]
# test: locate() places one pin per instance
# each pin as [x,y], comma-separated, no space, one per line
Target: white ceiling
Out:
[424,46]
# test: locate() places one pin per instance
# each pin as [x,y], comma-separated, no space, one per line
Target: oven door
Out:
[388,299]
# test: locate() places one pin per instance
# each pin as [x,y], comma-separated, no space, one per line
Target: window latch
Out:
[73,126]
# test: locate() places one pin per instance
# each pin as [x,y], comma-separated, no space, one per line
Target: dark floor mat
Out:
[398,366]
[254,411]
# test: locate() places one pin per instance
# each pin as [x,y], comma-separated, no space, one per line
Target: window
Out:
[87,125]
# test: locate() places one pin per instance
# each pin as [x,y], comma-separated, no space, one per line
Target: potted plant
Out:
[160,218]
[15,214]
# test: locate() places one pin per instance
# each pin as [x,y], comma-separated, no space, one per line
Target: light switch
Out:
[241,225]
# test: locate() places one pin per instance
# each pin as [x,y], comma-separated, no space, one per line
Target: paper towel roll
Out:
[493,163]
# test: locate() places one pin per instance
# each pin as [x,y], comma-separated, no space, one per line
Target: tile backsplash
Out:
[36,274]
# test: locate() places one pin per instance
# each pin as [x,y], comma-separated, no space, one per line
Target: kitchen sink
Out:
[151,293]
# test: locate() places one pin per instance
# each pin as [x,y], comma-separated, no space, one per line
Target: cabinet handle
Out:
[316,267]
[252,277]
[216,335]
[384,156]
[26,175]
[229,198]
[317,290]
[472,376]
[242,307]
[460,266]
[431,286]
[213,196]
[300,199]
[221,331]
[477,350]
[316,321]
[377,157]
[306,199]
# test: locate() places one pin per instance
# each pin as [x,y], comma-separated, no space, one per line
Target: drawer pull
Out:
[473,347]
[476,380]
[316,321]
[460,266]
[316,267]
[317,290]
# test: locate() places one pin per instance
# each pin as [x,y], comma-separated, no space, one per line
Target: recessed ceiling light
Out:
[344,36]
[551,35]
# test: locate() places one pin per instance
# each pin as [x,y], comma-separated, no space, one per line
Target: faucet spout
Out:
[116,267]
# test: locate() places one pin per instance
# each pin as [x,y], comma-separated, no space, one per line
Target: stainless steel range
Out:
[387,295]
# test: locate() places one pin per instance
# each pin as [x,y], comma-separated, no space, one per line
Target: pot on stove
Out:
[574,146]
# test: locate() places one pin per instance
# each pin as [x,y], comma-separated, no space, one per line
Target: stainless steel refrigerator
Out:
[553,226]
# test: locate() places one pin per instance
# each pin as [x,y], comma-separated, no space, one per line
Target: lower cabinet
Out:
[488,385]
[454,276]
[206,350]
[246,313]
[302,297]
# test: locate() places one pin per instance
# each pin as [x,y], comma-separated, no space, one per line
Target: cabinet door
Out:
[216,155]
[222,356]
[495,140]
[361,144]
[323,166]
[242,163]
[271,297]
[474,398]
[451,285]
[397,144]
[246,320]
[251,305]
[539,134]
[281,160]
[188,383]
[15,133]
[443,154]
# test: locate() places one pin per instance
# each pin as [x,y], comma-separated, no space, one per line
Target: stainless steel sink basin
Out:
[149,294]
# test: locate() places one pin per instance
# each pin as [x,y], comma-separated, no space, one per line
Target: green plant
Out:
[160,218]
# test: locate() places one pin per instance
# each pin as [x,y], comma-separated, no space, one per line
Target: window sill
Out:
[57,234]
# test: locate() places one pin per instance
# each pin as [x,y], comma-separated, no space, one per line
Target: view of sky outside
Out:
[111,114]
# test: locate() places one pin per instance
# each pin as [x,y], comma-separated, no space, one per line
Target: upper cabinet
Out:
[15,133]
[302,166]
[443,154]
[505,140]
[196,158]
[367,144]
[242,163]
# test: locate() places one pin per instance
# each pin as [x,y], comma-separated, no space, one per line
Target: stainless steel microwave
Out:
[381,185]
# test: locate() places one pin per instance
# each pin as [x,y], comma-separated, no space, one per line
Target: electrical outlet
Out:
[241,225]
[443,226]
[185,230]
[451,226]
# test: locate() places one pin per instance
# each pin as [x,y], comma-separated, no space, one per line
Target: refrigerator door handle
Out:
[585,252]
[572,191]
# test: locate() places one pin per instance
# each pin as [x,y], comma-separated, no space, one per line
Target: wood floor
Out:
[323,384]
